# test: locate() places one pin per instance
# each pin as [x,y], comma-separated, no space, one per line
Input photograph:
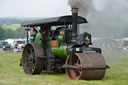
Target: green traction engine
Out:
[59,47]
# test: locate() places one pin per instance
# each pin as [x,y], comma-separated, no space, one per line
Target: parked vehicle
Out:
[19,43]
[5,45]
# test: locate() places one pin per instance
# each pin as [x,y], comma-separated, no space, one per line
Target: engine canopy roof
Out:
[55,21]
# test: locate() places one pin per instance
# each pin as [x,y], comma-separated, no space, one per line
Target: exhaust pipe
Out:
[74,23]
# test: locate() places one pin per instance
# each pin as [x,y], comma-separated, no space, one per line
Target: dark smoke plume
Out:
[109,21]
[85,6]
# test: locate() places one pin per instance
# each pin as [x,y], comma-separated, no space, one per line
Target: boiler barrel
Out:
[60,52]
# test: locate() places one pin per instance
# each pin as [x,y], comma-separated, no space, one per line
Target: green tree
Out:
[1,33]
[20,33]
[8,34]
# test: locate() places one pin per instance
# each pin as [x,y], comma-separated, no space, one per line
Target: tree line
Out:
[9,33]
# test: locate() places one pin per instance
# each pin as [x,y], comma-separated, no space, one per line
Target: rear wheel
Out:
[31,59]
[86,60]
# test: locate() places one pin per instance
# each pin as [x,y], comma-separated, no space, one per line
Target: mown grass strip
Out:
[12,74]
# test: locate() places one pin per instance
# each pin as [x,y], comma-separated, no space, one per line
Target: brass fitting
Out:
[75,10]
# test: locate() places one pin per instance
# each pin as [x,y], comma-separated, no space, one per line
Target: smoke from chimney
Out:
[85,6]
[106,18]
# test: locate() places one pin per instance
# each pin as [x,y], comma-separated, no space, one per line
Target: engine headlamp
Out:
[87,40]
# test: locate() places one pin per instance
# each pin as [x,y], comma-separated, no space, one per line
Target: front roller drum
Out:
[90,60]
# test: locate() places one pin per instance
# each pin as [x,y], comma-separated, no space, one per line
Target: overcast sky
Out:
[39,8]
[33,8]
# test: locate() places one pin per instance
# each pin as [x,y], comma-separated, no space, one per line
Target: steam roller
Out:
[58,47]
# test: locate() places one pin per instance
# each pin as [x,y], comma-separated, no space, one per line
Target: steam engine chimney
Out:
[74,23]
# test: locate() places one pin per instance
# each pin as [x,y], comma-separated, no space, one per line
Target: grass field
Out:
[11,26]
[12,74]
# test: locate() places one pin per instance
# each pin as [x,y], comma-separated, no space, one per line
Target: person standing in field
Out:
[32,34]
[15,47]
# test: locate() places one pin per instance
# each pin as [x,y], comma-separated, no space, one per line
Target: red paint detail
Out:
[62,32]
[54,43]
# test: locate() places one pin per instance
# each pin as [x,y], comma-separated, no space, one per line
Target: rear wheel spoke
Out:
[27,54]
